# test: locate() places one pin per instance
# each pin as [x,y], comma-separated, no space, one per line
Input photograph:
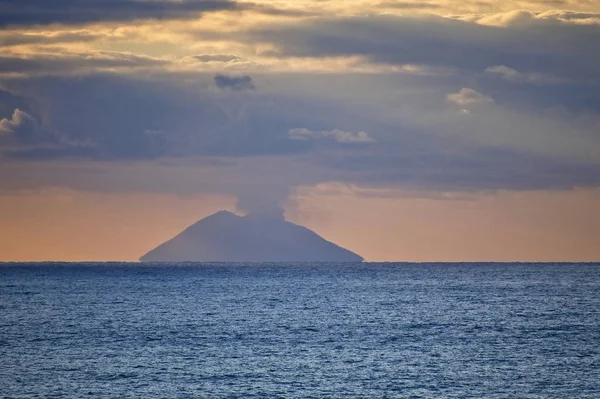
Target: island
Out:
[227,237]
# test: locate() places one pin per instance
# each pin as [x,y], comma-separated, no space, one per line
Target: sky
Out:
[439,130]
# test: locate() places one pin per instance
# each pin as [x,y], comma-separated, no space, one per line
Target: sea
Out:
[312,330]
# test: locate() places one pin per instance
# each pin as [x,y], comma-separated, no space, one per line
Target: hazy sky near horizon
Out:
[437,130]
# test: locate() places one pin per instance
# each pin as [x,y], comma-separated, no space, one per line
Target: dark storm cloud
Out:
[124,118]
[234,82]
[528,45]
[108,117]
[41,12]
[73,12]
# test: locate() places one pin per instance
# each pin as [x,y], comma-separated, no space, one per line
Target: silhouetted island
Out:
[227,237]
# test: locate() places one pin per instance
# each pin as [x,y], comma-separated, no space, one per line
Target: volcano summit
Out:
[227,237]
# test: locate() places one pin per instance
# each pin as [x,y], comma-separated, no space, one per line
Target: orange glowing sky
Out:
[71,225]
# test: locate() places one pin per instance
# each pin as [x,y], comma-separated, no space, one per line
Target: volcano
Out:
[227,237]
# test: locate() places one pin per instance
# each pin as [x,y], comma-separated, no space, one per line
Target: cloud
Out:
[11,38]
[460,167]
[511,18]
[217,58]
[506,72]
[41,12]
[130,118]
[22,137]
[64,63]
[236,83]
[22,128]
[525,18]
[466,97]
[532,46]
[336,135]
[584,18]
[513,75]
[263,201]
[420,142]
[409,5]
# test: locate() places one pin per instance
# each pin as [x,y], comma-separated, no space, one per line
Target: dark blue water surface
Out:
[300,331]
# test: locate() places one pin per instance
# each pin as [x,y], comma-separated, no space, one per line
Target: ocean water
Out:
[300,331]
